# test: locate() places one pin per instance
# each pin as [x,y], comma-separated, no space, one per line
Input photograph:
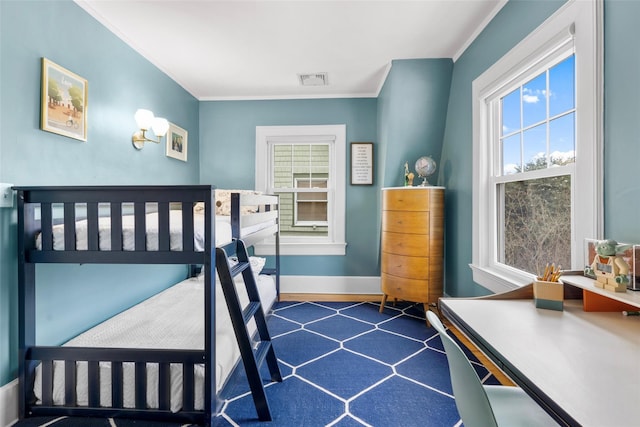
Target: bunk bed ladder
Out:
[252,355]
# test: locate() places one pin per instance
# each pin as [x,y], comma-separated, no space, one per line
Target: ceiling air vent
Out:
[313,79]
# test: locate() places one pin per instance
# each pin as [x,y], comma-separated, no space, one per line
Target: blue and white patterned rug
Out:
[343,365]
[346,364]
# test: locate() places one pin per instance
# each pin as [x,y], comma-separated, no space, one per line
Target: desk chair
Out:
[484,405]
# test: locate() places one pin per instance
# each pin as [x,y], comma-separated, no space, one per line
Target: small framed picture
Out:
[177,142]
[362,163]
[63,102]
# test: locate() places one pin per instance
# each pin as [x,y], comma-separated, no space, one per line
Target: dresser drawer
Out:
[402,244]
[410,267]
[409,222]
[405,289]
[410,199]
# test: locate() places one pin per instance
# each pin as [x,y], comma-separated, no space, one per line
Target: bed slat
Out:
[117,395]
[93,386]
[92,227]
[69,226]
[141,385]
[164,386]
[188,388]
[47,382]
[164,242]
[70,382]
[140,227]
[47,226]
[116,227]
[187,227]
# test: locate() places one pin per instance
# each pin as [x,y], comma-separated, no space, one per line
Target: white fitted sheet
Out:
[172,319]
[223,233]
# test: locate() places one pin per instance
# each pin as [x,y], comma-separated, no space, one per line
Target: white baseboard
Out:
[9,403]
[330,285]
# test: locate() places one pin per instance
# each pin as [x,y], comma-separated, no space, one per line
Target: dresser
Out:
[412,244]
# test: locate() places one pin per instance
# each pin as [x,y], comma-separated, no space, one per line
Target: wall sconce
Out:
[145,120]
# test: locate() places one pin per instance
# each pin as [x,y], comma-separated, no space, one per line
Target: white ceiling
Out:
[220,50]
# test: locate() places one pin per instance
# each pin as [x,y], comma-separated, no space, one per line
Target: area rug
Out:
[346,364]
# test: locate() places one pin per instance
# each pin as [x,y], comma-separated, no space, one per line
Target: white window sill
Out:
[301,249]
[499,280]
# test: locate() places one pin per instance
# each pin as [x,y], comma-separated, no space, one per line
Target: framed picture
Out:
[362,163]
[177,142]
[63,102]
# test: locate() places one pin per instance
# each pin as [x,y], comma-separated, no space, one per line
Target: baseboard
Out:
[9,403]
[331,297]
[332,285]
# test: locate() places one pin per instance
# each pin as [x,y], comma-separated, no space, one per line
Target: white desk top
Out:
[587,363]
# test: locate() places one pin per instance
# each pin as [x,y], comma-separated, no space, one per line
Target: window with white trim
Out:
[305,166]
[537,117]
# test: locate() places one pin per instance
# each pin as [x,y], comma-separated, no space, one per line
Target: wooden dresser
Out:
[412,244]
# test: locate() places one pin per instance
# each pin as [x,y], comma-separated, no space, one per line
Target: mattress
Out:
[172,319]
[222,232]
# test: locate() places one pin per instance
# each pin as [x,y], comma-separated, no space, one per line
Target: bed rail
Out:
[140,361]
[267,206]
[44,208]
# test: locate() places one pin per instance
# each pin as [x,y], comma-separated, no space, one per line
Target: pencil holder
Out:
[548,295]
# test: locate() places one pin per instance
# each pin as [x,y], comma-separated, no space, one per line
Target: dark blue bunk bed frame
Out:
[30,355]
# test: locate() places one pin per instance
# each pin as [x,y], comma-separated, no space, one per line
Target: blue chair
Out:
[485,405]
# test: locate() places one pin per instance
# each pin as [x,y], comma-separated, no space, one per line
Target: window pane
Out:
[319,159]
[537,223]
[562,139]
[511,160]
[312,211]
[511,112]
[535,148]
[304,197]
[562,87]
[534,101]
[282,167]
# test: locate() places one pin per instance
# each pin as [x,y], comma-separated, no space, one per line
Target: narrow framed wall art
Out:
[63,101]
[177,139]
[362,163]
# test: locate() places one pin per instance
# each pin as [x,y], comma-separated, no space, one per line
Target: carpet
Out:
[343,365]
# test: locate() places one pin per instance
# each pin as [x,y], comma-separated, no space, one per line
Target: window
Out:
[305,166]
[311,205]
[537,124]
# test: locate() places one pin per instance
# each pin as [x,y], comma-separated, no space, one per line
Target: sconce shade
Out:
[144,119]
[160,126]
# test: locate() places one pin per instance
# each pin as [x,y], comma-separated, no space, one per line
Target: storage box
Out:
[548,295]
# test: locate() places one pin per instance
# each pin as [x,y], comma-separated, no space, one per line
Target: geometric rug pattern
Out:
[344,365]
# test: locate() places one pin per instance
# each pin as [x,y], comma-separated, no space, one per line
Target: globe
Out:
[425,167]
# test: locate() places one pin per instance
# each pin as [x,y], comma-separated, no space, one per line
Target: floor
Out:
[343,364]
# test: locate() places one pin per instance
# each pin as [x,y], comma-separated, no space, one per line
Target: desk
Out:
[582,367]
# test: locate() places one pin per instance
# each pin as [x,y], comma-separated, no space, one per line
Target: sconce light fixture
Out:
[145,121]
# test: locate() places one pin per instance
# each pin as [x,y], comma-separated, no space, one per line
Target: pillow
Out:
[223,202]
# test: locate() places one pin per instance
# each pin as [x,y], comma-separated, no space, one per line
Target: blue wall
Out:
[514,22]
[228,139]
[119,82]
[621,147]
[413,106]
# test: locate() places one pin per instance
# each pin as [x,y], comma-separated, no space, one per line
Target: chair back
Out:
[471,399]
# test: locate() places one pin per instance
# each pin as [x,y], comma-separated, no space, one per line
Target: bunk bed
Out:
[137,225]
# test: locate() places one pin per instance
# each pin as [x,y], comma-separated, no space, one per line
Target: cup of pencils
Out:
[548,290]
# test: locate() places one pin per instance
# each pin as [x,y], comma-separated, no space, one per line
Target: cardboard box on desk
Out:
[548,295]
